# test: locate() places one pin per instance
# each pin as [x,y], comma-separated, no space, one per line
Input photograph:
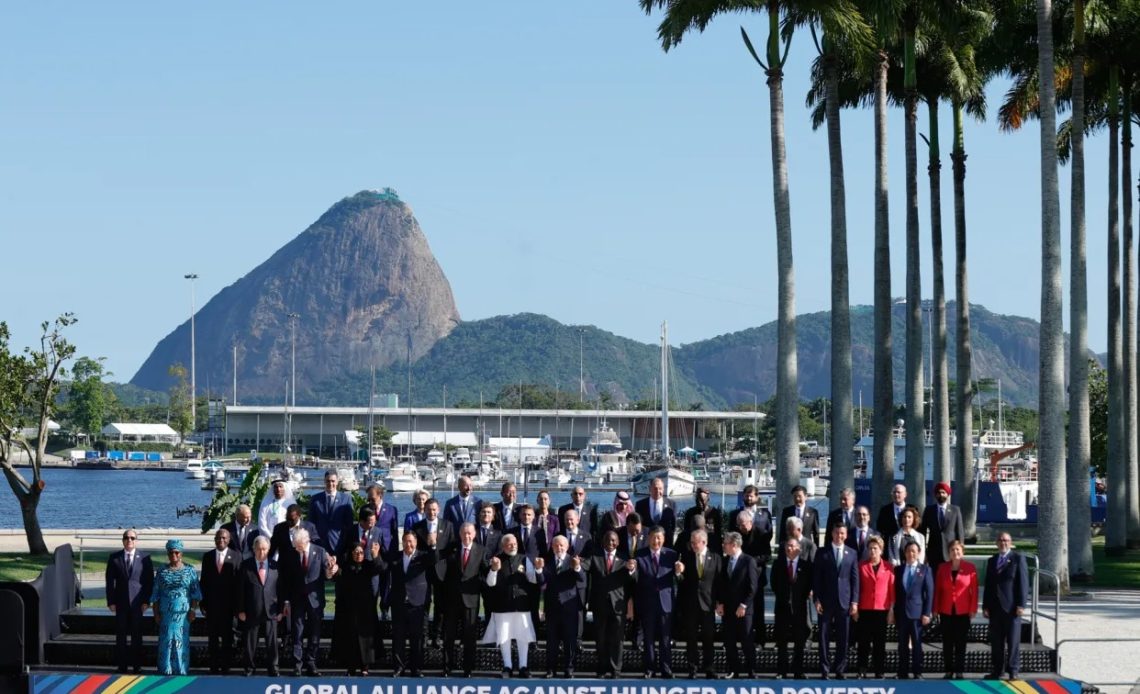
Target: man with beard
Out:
[510,577]
[713,519]
[586,511]
[563,581]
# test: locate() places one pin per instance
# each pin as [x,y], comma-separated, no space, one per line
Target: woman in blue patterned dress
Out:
[175,599]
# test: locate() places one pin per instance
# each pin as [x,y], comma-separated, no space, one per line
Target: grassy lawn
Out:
[16,566]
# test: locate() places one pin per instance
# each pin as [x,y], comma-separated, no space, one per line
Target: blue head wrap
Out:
[174,544]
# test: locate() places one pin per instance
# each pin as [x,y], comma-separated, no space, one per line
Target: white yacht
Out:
[678,483]
[604,455]
[436,457]
[348,481]
[195,470]
[403,477]
[378,458]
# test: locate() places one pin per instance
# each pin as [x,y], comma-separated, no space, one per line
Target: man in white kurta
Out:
[511,580]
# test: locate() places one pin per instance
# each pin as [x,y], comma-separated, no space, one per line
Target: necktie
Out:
[261,572]
[241,536]
[909,576]
[130,560]
[305,560]
[221,560]
[482,536]
[732,565]
[524,536]
[847,518]
[466,554]
[799,512]
[1001,562]
[941,517]
[838,557]
[701,566]
[656,511]
[362,534]
[609,563]
[656,566]
[791,572]
[862,539]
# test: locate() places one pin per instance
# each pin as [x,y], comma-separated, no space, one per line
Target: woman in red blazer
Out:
[876,607]
[955,602]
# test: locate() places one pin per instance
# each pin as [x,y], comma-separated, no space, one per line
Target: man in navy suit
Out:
[506,510]
[283,534]
[845,513]
[736,600]
[259,607]
[129,581]
[654,570]
[835,583]
[563,581]
[304,569]
[858,536]
[632,538]
[330,512]
[587,513]
[410,596]
[914,607]
[659,511]
[805,513]
[242,531]
[1004,603]
[221,567]
[486,532]
[386,516]
[581,544]
[464,506]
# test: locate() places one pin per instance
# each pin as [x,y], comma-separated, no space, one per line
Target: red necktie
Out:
[305,560]
[466,554]
[362,534]
[791,573]
[609,563]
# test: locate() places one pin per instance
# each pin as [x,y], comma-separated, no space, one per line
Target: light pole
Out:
[193,366]
[293,356]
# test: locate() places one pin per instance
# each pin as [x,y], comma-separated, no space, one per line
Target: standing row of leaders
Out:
[524,564]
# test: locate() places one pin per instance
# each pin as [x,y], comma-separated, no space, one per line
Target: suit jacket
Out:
[609,590]
[587,519]
[246,548]
[489,537]
[876,588]
[503,523]
[757,511]
[887,523]
[280,540]
[668,519]
[853,542]
[810,519]
[553,527]
[128,588]
[835,586]
[582,545]
[412,587]
[453,512]
[714,519]
[220,589]
[534,544]
[792,596]
[303,586]
[692,588]
[939,536]
[330,515]
[758,544]
[624,549]
[387,523]
[350,535]
[563,587]
[836,515]
[956,595]
[1007,588]
[738,586]
[462,586]
[653,593]
[918,600]
[259,602]
[446,535]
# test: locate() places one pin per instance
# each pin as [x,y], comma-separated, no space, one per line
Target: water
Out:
[146,499]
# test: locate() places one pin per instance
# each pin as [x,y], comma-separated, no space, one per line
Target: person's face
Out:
[409,542]
[791,549]
[697,543]
[467,534]
[634,528]
[863,518]
[750,497]
[431,510]
[941,495]
[130,540]
[510,544]
[729,548]
[543,501]
[875,552]
[838,534]
[578,496]
[847,501]
[174,556]
[300,544]
[656,541]
[419,500]
[912,553]
[1004,542]
[278,491]
[527,517]
[798,498]
[294,516]
[221,539]
[330,483]
[244,515]
[560,545]
[956,552]
[610,542]
[261,551]
[464,486]
[486,515]
[898,493]
[744,523]
[906,519]
[657,489]
[357,555]
[509,495]
[571,520]
[368,522]
[375,495]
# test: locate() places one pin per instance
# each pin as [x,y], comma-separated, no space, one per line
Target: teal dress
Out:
[174,591]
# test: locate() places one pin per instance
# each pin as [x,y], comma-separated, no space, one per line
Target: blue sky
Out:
[558,161]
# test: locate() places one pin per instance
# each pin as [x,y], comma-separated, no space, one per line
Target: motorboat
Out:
[679,483]
[195,470]
[436,457]
[461,459]
[347,479]
[378,458]
[604,454]
[403,478]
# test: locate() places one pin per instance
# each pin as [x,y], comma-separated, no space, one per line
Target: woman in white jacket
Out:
[908,533]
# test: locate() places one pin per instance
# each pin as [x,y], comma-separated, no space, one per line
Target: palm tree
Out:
[1116,526]
[1132,473]
[1052,514]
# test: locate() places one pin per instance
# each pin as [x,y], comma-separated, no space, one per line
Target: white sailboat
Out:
[678,481]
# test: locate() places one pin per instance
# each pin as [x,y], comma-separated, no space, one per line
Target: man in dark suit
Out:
[464,506]
[259,607]
[942,524]
[1003,603]
[835,583]
[858,536]
[756,535]
[805,513]
[433,532]
[531,539]
[221,567]
[387,516]
[330,512]
[750,499]
[845,512]
[610,581]
[697,592]
[563,581]
[736,604]
[654,570]
[587,513]
[791,585]
[242,531]
[506,510]
[632,538]
[304,569]
[364,531]
[695,523]
[129,579]
[712,518]
[656,510]
[914,608]
[887,522]
[486,532]
[410,596]
[461,571]
[283,534]
[581,543]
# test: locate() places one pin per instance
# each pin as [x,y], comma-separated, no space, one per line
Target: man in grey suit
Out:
[942,523]
[129,580]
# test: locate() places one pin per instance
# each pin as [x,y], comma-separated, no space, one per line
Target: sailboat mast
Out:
[665,391]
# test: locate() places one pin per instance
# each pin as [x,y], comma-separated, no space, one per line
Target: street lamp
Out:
[193,366]
[293,355]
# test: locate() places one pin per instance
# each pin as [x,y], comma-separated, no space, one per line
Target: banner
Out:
[68,683]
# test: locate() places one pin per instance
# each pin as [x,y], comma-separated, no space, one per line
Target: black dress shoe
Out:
[247,672]
[416,673]
[136,669]
[122,669]
[751,674]
[862,675]
[524,673]
[667,675]
[273,672]
[993,676]
[880,676]
[710,675]
[466,674]
[917,676]
[297,671]
[549,675]
[692,674]
[567,674]
[506,673]
[648,674]
[1012,676]
[312,672]
[824,676]
[611,675]
[840,676]
[445,674]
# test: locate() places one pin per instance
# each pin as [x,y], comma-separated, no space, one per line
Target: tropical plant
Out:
[225,501]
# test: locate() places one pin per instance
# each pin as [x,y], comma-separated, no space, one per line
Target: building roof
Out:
[138,429]
[278,410]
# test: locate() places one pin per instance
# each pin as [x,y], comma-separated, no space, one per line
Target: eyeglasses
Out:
[129,538]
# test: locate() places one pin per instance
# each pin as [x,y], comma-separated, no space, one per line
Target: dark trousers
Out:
[408,624]
[128,623]
[739,629]
[563,628]
[656,628]
[461,621]
[1005,643]
[871,630]
[254,629]
[834,623]
[791,627]
[305,621]
[760,635]
[910,645]
[610,638]
[955,632]
[220,639]
[699,623]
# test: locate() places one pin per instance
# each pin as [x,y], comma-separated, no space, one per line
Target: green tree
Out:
[89,399]
[1098,418]
[29,385]
[178,407]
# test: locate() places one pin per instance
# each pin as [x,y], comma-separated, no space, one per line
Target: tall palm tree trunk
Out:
[1132,471]
[915,472]
[1080,521]
[787,392]
[965,486]
[842,470]
[883,475]
[1116,523]
[939,403]
[1052,514]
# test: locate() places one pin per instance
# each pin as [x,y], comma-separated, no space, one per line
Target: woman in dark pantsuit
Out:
[955,603]
[354,623]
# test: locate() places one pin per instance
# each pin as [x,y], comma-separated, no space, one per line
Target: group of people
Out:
[519,565]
